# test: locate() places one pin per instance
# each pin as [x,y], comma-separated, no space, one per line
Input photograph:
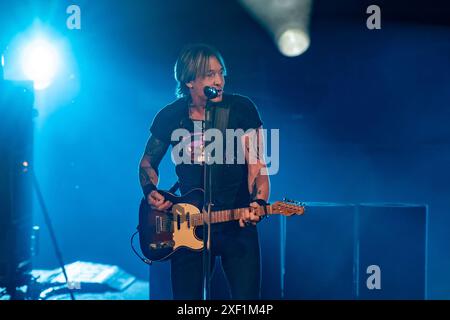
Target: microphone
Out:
[210,92]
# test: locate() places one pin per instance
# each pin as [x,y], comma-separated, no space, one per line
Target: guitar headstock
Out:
[288,207]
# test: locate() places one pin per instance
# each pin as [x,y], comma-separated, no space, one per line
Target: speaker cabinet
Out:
[160,283]
[364,251]
[319,256]
[392,251]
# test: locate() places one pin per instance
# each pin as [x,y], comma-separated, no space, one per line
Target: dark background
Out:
[363,114]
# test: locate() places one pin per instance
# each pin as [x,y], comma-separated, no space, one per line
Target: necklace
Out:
[191,115]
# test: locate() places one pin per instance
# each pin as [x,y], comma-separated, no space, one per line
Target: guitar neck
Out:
[226,215]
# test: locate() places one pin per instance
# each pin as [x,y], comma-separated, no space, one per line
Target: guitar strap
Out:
[175,187]
[221,119]
[222,114]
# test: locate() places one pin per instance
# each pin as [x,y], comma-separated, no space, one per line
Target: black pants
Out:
[240,254]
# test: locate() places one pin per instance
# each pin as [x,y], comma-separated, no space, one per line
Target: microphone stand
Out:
[208,200]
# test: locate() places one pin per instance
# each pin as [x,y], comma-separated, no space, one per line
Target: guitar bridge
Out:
[162,245]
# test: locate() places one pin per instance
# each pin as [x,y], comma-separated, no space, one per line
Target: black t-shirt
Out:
[230,186]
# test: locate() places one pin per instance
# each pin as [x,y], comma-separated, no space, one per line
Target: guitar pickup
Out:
[188,219]
[159,224]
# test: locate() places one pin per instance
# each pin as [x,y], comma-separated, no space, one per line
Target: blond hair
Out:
[192,62]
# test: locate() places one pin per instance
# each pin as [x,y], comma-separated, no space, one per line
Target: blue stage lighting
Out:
[40,61]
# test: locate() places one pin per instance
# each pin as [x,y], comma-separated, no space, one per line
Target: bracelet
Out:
[147,189]
[262,203]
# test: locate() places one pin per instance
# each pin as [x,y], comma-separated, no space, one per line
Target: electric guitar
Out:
[163,233]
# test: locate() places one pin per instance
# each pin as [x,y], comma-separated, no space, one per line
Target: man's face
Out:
[214,78]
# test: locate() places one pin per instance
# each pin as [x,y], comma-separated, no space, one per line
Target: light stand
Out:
[17,178]
[51,231]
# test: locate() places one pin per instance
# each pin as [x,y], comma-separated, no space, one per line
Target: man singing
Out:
[237,184]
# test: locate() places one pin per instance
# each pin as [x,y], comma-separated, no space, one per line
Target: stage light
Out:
[41,54]
[40,61]
[286,20]
[293,42]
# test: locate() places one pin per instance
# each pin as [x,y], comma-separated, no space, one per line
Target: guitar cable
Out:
[173,189]
[145,260]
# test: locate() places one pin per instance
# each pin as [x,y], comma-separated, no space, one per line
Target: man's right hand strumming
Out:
[148,172]
[157,201]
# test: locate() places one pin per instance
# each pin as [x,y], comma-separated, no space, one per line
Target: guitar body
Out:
[162,233]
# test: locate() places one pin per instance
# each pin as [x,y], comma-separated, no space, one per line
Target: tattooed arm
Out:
[258,178]
[148,172]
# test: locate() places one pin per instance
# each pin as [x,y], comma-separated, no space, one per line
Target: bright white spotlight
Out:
[40,61]
[286,20]
[293,42]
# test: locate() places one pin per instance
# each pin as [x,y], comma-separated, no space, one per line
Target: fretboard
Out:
[225,215]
